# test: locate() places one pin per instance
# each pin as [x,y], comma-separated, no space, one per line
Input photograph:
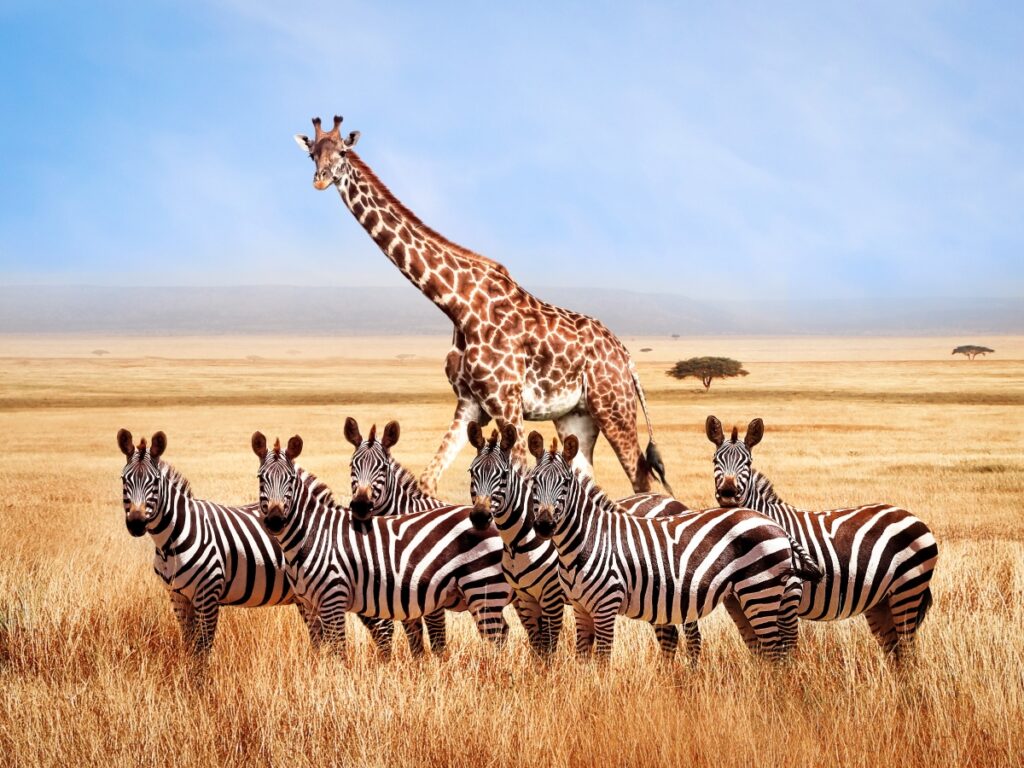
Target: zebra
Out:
[385,567]
[878,559]
[499,492]
[381,486]
[206,554]
[670,570]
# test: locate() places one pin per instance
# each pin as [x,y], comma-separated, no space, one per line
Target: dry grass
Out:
[90,666]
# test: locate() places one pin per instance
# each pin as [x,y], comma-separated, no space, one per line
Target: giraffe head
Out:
[140,480]
[733,460]
[278,478]
[329,152]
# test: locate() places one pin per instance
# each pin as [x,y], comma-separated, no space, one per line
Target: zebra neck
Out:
[314,510]
[511,518]
[585,507]
[175,497]
[406,495]
[761,497]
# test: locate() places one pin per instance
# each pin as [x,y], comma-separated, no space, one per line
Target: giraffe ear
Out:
[713,429]
[476,436]
[509,435]
[755,431]
[259,445]
[352,433]
[304,142]
[158,446]
[124,442]
[570,449]
[352,139]
[536,445]
[391,433]
[294,448]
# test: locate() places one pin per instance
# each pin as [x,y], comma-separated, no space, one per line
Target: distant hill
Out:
[402,310]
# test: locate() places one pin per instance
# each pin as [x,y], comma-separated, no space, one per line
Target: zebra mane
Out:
[593,493]
[406,481]
[318,489]
[763,488]
[175,478]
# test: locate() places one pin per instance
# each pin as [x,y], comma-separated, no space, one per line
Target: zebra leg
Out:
[880,621]
[381,631]
[788,611]
[761,609]
[332,617]
[692,633]
[552,616]
[436,631]
[908,610]
[490,622]
[668,640]
[185,613]
[584,632]
[414,634]
[604,631]
[529,613]
[739,618]
[313,624]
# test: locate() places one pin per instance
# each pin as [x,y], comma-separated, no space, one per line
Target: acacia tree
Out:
[972,350]
[707,368]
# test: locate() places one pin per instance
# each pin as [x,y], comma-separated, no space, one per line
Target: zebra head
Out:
[550,479]
[373,469]
[733,460]
[328,151]
[491,473]
[140,480]
[278,480]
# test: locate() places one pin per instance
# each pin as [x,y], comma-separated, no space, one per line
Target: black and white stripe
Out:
[206,554]
[401,567]
[878,559]
[499,491]
[669,570]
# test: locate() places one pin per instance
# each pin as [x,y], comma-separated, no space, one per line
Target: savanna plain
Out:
[91,668]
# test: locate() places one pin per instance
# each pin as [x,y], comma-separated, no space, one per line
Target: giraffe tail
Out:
[652,454]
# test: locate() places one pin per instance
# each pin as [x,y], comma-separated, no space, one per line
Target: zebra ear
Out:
[509,435]
[352,432]
[294,448]
[536,445]
[158,446]
[570,449]
[391,433]
[476,436]
[259,445]
[124,442]
[755,431]
[713,429]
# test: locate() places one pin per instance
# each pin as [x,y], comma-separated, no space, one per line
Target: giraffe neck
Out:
[444,272]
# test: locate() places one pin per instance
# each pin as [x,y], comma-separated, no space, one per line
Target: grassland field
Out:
[91,665]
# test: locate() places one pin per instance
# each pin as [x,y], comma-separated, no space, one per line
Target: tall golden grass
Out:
[91,668]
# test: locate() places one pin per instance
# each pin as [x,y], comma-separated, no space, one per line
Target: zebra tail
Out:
[804,565]
[926,603]
[652,454]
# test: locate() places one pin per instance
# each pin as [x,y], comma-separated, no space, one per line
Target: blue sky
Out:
[743,150]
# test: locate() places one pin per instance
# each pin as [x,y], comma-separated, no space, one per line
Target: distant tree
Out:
[707,368]
[972,350]
[675,335]
[645,349]
[100,352]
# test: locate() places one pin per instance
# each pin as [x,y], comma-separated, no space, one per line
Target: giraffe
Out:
[513,357]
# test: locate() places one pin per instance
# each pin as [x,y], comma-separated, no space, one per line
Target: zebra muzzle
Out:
[481,517]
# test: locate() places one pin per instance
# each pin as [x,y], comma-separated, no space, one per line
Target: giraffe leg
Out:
[581,424]
[615,417]
[454,440]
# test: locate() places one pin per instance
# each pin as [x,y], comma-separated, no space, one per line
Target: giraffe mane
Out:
[433,234]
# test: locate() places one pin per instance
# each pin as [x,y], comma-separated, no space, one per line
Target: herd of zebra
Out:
[539,538]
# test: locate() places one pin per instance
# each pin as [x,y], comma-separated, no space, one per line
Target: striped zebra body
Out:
[500,493]
[669,570]
[206,554]
[877,559]
[386,567]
